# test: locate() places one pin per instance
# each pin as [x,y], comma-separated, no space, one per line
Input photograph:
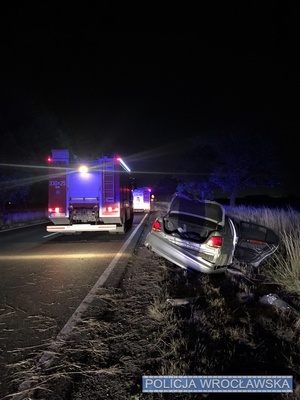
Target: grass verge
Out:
[163,320]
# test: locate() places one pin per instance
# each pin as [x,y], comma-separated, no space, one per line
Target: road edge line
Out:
[48,356]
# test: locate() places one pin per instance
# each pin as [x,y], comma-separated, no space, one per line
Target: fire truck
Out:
[87,196]
[142,199]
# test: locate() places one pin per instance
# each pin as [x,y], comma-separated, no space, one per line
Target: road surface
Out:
[45,278]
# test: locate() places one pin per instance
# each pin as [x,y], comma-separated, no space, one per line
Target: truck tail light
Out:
[54,209]
[111,209]
[215,241]
[156,226]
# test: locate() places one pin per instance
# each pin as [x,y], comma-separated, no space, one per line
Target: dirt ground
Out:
[112,347]
[141,328]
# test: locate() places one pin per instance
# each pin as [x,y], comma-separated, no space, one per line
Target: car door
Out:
[255,242]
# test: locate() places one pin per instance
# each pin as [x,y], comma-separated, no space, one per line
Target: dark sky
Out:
[141,81]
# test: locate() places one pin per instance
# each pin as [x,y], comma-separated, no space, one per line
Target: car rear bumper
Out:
[180,256]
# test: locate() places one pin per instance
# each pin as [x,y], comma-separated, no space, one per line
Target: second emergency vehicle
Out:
[142,199]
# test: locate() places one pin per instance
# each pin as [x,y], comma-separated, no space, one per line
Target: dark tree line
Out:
[230,162]
[27,131]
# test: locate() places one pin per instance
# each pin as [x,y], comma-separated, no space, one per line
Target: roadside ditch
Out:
[162,320]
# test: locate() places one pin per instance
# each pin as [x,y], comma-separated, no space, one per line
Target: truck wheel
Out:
[129,224]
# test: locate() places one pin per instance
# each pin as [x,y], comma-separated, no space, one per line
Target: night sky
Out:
[141,81]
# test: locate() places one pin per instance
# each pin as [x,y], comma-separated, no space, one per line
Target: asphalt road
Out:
[44,279]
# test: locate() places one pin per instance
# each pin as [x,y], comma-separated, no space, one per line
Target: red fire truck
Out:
[94,195]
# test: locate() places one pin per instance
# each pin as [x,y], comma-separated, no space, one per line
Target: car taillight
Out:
[156,226]
[215,241]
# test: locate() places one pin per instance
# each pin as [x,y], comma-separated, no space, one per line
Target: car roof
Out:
[210,210]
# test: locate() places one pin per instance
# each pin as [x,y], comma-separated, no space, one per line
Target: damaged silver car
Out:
[197,235]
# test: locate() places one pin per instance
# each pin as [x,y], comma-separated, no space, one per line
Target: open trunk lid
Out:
[208,210]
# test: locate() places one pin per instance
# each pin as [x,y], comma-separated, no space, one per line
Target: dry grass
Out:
[285,266]
[8,219]
[278,219]
[218,327]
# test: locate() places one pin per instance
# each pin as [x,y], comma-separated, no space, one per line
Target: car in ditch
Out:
[198,235]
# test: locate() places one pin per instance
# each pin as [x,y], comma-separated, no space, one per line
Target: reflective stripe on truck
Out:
[81,228]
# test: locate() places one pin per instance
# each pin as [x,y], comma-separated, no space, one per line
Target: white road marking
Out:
[91,295]
[51,234]
[54,256]
[49,355]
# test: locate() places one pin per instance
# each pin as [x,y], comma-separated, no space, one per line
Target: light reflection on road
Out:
[61,256]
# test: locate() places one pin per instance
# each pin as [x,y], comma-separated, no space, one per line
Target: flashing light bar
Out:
[123,164]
